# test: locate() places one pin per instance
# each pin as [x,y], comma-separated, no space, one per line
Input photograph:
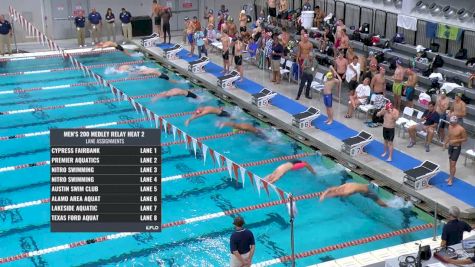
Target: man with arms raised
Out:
[378,83]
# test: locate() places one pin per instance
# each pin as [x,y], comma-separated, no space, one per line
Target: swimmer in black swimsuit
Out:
[244,127]
[202,111]
[348,189]
[174,92]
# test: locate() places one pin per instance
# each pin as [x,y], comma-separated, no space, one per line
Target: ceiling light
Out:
[421,7]
[435,9]
[388,2]
[398,3]
[464,14]
[449,12]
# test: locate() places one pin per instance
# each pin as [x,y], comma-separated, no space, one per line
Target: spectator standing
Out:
[455,137]
[308,72]
[459,108]
[95,20]
[125,18]
[452,233]
[330,85]
[378,83]
[242,244]
[283,11]
[166,14]
[319,16]
[110,25]
[390,116]
[353,75]
[5,35]
[398,78]
[410,91]
[238,49]
[276,55]
[430,121]
[156,15]
[209,16]
[242,21]
[80,22]
[200,43]
[441,107]
[272,10]
[340,66]
[360,97]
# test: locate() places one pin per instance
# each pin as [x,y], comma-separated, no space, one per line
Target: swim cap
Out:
[329,75]
[389,105]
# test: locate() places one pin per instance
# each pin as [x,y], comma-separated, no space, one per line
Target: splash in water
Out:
[112,71]
[399,203]
[136,54]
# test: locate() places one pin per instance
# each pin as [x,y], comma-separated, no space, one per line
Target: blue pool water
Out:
[198,244]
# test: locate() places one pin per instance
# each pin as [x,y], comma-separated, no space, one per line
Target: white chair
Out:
[469,154]
[318,84]
[414,120]
[406,115]
[368,107]
[287,69]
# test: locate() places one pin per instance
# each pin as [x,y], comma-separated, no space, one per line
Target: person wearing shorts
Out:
[238,60]
[328,100]
[455,137]
[397,88]
[410,94]
[390,116]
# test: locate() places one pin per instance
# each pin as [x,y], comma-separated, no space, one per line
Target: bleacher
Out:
[452,68]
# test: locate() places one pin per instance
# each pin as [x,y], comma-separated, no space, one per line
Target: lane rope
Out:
[70,68]
[171,178]
[63,86]
[47,162]
[83,53]
[105,124]
[343,245]
[164,226]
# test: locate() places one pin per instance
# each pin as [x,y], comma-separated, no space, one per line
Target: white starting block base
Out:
[304,119]
[263,98]
[198,66]
[227,81]
[354,146]
[171,53]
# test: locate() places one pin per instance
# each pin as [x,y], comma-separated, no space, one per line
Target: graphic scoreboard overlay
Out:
[105,180]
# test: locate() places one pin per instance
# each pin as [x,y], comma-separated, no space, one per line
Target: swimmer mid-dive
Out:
[203,111]
[174,92]
[286,167]
[244,127]
[348,189]
[112,44]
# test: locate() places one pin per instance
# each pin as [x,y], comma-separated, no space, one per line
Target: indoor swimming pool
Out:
[39,94]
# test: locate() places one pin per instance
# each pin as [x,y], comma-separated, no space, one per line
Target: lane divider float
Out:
[171,178]
[164,226]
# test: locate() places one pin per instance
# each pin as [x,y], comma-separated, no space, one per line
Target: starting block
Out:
[150,41]
[227,81]
[304,119]
[355,145]
[170,53]
[263,98]
[198,66]
[418,177]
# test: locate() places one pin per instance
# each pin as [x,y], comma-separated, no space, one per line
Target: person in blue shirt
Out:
[5,35]
[241,244]
[80,22]
[307,6]
[110,25]
[430,120]
[95,20]
[125,18]
[200,42]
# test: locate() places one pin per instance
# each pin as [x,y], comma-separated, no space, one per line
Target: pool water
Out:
[317,224]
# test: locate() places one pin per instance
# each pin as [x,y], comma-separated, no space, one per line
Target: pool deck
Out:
[383,173]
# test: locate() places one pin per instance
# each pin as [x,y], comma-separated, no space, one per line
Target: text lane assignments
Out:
[105,180]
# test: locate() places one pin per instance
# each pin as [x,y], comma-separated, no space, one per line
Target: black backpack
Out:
[356,36]
[461,54]
[434,47]
[392,63]
[438,62]
[364,28]
[399,38]
[386,45]
[379,57]
[368,41]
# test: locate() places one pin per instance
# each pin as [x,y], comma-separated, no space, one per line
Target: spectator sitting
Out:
[359,98]
[430,121]
[319,16]
[211,35]
[452,233]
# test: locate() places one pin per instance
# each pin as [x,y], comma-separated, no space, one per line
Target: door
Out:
[63,13]
[180,10]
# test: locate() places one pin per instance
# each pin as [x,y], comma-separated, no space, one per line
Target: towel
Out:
[449,32]
[436,75]
[406,22]
[431,29]
[449,87]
